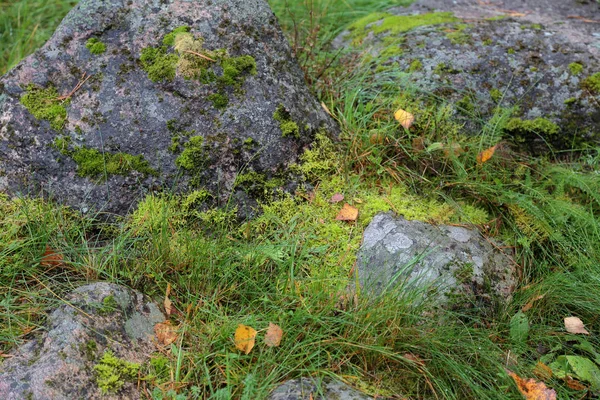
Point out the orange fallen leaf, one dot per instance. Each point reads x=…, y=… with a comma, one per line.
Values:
x=405, y=118
x=51, y=258
x=167, y=303
x=531, y=389
x=336, y=198
x=529, y=304
x=574, y=384
x=165, y=333
x=575, y=325
x=244, y=338
x=273, y=335
x=485, y=155
x=347, y=213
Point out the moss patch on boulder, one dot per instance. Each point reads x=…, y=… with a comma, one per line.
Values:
x=44, y=104
x=113, y=372
x=95, y=46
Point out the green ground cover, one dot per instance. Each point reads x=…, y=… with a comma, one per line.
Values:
x=290, y=266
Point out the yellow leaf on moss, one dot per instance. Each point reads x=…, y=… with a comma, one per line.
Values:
x=347, y=213
x=244, y=338
x=405, y=118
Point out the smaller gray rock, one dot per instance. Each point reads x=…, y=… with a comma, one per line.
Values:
x=442, y=261
x=304, y=388
x=59, y=365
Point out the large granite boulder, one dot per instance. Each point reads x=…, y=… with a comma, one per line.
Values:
x=92, y=349
x=541, y=58
x=316, y=389
x=447, y=266
x=134, y=96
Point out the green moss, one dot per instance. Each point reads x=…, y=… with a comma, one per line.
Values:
x=193, y=156
x=89, y=349
x=496, y=95
x=44, y=104
x=592, y=83
x=158, y=64
x=459, y=36
x=396, y=24
x=537, y=27
x=288, y=127
x=488, y=42
x=575, y=68
x=112, y=372
x=62, y=144
x=391, y=50
x=416, y=65
x=195, y=199
x=235, y=68
x=511, y=51
x=570, y=100
x=219, y=100
x=109, y=305
x=95, y=46
x=169, y=39
x=537, y=126
x=322, y=158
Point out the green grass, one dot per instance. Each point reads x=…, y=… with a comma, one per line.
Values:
x=290, y=266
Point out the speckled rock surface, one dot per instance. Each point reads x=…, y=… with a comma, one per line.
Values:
x=310, y=388
x=446, y=262
x=59, y=365
x=509, y=53
x=120, y=136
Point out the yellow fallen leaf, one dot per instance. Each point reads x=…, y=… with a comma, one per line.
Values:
x=405, y=118
x=485, y=155
x=528, y=306
x=165, y=333
x=347, y=213
x=244, y=338
x=167, y=303
x=575, y=325
x=273, y=335
x=531, y=389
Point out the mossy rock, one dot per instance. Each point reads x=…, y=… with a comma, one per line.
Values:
x=164, y=105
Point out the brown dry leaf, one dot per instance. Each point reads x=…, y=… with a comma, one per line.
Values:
x=167, y=303
x=574, y=384
x=575, y=325
x=405, y=118
x=51, y=258
x=531, y=389
x=542, y=371
x=165, y=333
x=416, y=359
x=376, y=138
x=453, y=149
x=418, y=143
x=347, y=213
x=336, y=198
x=244, y=338
x=528, y=306
x=273, y=335
x=485, y=155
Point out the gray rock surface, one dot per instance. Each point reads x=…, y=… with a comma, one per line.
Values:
x=502, y=53
x=59, y=365
x=312, y=388
x=451, y=265
x=146, y=103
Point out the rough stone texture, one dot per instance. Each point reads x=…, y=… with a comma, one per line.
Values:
x=453, y=260
x=60, y=364
x=521, y=60
x=308, y=388
x=119, y=109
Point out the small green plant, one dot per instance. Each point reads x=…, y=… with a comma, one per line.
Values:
x=575, y=68
x=95, y=46
x=113, y=372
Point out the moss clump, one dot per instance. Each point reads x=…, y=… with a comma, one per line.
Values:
x=459, y=36
x=496, y=95
x=95, y=46
x=219, y=100
x=575, y=68
x=592, y=83
x=109, y=305
x=193, y=156
x=169, y=39
x=112, y=372
x=158, y=64
x=44, y=104
x=416, y=65
x=537, y=126
x=396, y=24
x=288, y=127
x=195, y=199
x=234, y=68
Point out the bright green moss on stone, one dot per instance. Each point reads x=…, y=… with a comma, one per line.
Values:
x=234, y=69
x=219, y=100
x=112, y=372
x=193, y=156
x=94, y=164
x=169, y=39
x=537, y=126
x=575, y=68
x=496, y=95
x=396, y=24
x=44, y=104
x=95, y=46
x=109, y=305
x=158, y=64
x=288, y=127
x=416, y=65
x=592, y=83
